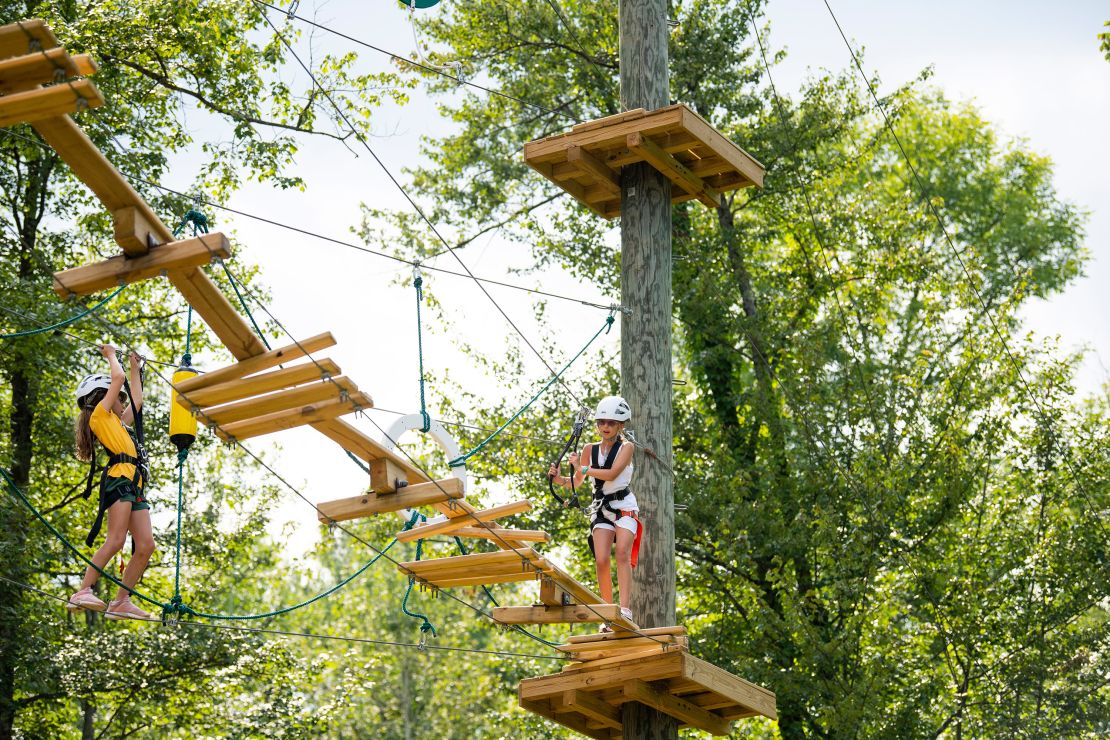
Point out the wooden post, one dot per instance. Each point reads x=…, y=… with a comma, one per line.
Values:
x=646, y=338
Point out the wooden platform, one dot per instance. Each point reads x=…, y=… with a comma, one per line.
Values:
x=588, y=698
x=699, y=161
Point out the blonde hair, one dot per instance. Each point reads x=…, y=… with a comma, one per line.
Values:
x=82, y=434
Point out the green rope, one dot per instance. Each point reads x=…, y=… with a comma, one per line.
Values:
x=243, y=303
x=67, y=322
x=187, y=358
x=461, y=459
x=198, y=220
x=426, y=626
x=22, y=497
x=182, y=454
x=418, y=283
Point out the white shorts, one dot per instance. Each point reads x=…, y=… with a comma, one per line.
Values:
x=624, y=522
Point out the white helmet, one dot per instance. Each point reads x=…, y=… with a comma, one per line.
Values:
x=90, y=384
x=613, y=407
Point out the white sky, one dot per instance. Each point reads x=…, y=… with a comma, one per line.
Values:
x=1035, y=71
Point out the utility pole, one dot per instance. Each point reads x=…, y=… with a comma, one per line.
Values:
x=646, y=337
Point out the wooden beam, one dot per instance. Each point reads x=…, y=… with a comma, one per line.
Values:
x=91, y=167
x=42, y=103
x=578, y=592
x=214, y=307
x=674, y=170
x=240, y=388
x=737, y=157
x=657, y=667
x=16, y=38
x=419, y=494
x=520, y=535
x=253, y=408
x=257, y=364
x=122, y=269
x=611, y=636
x=463, y=520
x=552, y=595
x=292, y=418
x=618, y=656
x=473, y=562
x=42, y=67
x=133, y=232
x=681, y=709
x=606, y=178
x=589, y=706
x=625, y=641
x=575, y=722
x=484, y=580
x=385, y=475
x=718, y=679
x=556, y=614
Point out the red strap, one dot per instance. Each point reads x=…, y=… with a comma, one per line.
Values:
x=639, y=536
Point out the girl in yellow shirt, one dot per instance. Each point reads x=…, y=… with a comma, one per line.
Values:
x=104, y=411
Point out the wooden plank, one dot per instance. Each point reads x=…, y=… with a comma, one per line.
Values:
x=484, y=580
x=743, y=162
x=605, y=177
x=573, y=721
x=624, y=656
x=556, y=614
x=721, y=681
x=681, y=709
x=660, y=121
x=91, y=167
x=577, y=591
x=362, y=446
x=462, y=520
x=474, y=561
x=674, y=170
x=42, y=103
x=214, y=307
x=597, y=123
x=256, y=385
x=589, y=706
x=16, y=38
x=610, y=636
x=598, y=657
x=419, y=494
x=385, y=475
x=531, y=569
x=654, y=668
x=122, y=269
x=304, y=395
x=292, y=418
x=258, y=363
x=625, y=641
x=572, y=187
x=495, y=534
x=42, y=67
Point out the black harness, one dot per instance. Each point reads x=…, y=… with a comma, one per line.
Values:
x=139, y=479
x=603, y=502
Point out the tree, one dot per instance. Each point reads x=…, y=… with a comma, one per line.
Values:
x=160, y=61
x=893, y=496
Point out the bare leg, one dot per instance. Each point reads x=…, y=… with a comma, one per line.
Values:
x=624, y=565
x=603, y=544
x=143, y=536
x=117, y=515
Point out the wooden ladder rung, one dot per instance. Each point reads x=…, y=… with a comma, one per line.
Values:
x=252, y=408
x=257, y=364
x=15, y=38
x=42, y=67
x=463, y=519
x=41, y=103
x=411, y=497
x=574, y=614
x=256, y=385
x=292, y=418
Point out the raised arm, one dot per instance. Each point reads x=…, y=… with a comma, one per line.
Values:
x=110, y=396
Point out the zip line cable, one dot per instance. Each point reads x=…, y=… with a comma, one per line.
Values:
x=928, y=200
x=342, y=243
x=409, y=198
x=414, y=63
x=421, y=646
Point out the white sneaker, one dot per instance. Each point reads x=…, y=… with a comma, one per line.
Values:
x=627, y=614
x=84, y=599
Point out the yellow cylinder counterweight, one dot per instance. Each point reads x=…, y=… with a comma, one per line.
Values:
x=183, y=425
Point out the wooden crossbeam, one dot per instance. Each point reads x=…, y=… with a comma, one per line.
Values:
x=419, y=494
x=574, y=721
x=42, y=103
x=606, y=178
x=386, y=476
x=463, y=520
x=676, y=631
x=675, y=171
x=691, y=714
x=473, y=562
x=16, y=38
x=257, y=364
x=272, y=403
x=747, y=165
x=484, y=579
x=577, y=591
x=240, y=388
x=718, y=679
x=624, y=641
x=574, y=614
x=42, y=67
x=289, y=419
x=497, y=534
x=661, y=666
x=121, y=269
x=213, y=306
x=589, y=706
x=552, y=595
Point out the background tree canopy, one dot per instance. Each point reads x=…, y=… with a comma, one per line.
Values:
x=894, y=499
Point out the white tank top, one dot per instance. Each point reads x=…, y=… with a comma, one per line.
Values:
x=628, y=503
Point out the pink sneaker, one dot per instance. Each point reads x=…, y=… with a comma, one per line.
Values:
x=84, y=599
x=124, y=609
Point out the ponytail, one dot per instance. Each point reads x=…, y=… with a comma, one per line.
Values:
x=82, y=433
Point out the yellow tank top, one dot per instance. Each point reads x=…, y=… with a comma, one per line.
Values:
x=111, y=432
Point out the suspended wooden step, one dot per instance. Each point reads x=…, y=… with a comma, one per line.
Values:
x=699, y=161
x=410, y=497
x=591, y=613
x=464, y=520
x=506, y=566
x=698, y=694
x=42, y=67
x=24, y=37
